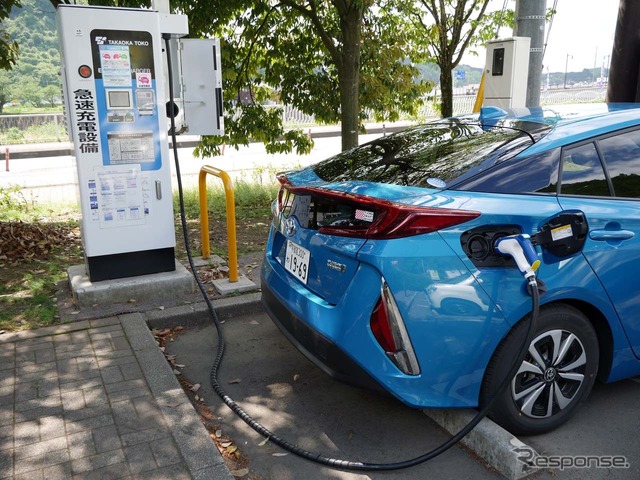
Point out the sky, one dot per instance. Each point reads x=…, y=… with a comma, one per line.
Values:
x=582, y=29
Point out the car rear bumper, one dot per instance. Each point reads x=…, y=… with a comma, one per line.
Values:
x=324, y=353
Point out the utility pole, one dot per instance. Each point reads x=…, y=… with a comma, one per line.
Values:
x=624, y=79
x=530, y=22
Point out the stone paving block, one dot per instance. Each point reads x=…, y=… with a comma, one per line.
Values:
x=95, y=396
x=48, y=386
x=7, y=363
x=39, y=462
x=61, y=471
x=128, y=394
x=6, y=463
x=165, y=452
x=110, y=472
x=45, y=356
x=22, y=369
x=94, y=462
x=104, y=362
x=74, y=426
x=112, y=374
x=149, y=435
x=74, y=351
x=6, y=395
x=125, y=385
x=6, y=417
x=51, y=427
x=81, y=445
x=35, y=413
x=26, y=357
x=140, y=458
x=79, y=375
x=26, y=391
x=6, y=437
x=87, y=412
x=81, y=384
x=72, y=400
x=6, y=378
x=33, y=475
x=25, y=433
x=40, y=448
x=106, y=438
x=51, y=401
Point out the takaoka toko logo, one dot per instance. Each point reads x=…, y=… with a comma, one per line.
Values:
x=101, y=40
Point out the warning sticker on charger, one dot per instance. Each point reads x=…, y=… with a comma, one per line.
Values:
x=560, y=233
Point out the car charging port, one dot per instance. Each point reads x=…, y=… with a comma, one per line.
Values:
x=478, y=245
x=563, y=235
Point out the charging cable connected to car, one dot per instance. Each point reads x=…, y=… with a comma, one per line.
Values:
x=517, y=246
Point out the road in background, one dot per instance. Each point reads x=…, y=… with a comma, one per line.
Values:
x=54, y=179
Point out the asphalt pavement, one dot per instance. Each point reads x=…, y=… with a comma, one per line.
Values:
x=272, y=381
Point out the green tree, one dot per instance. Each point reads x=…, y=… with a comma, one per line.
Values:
x=8, y=45
x=334, y=59
x=51, y=95
x=5, y=88
x=450, y=28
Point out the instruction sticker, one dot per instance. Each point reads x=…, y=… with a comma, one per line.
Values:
x=562, y=232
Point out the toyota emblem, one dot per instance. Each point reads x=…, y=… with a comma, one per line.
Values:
x=289, y=227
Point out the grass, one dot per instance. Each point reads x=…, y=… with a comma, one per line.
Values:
x=28, y=285
x=45, y=132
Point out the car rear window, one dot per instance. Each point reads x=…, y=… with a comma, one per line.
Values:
x=436, y=155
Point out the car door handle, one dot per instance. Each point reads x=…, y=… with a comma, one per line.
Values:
x=608, y=235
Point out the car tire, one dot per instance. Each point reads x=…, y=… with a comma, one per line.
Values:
x=555, y=377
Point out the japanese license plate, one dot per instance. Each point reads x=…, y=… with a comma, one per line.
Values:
x=296, y=261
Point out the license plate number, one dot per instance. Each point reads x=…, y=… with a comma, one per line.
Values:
x=296, y=261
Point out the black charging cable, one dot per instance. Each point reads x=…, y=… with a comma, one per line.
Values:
x=315, y=457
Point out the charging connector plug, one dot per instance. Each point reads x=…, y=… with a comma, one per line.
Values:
x=520, y=248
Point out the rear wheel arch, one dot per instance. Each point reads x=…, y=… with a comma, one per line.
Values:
x=603, y=331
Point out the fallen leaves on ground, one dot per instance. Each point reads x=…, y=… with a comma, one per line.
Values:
x=21, y=241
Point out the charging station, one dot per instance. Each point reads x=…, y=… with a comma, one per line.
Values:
x=114, y=74
x=506, y=72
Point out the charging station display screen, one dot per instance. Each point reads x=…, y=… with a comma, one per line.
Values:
x=123, y=62
x=119, y=99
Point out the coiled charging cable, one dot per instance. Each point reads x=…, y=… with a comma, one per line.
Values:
x=316, y=457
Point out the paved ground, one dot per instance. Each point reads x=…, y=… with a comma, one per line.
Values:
x=277, y=385
x=96, y=399
x=272, y=381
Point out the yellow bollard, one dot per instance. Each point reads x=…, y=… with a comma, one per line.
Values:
x=232, y=249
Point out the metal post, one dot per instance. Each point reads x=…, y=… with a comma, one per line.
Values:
x=6, y=159
x=624, y=75
x=530, y=22
x=566, y=67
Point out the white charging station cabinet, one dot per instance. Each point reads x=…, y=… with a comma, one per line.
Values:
x=506, y=72
x=112, y=64
x=201, y=84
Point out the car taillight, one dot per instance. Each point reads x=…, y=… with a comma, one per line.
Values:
x=388, y=329
x=388, y=219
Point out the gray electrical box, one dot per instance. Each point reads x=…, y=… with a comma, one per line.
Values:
x=506, y=71
x=201, y=74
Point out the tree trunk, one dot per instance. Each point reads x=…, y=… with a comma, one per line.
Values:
x=349, y=73
x=446, y=90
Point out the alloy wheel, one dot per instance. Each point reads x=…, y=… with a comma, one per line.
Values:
x=550, y=375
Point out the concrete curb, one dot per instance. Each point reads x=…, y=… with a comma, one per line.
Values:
x=488, y=440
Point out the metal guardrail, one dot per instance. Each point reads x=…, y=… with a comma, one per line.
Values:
x=232, y=249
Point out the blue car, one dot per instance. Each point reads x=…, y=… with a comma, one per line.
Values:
x=381, y=264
